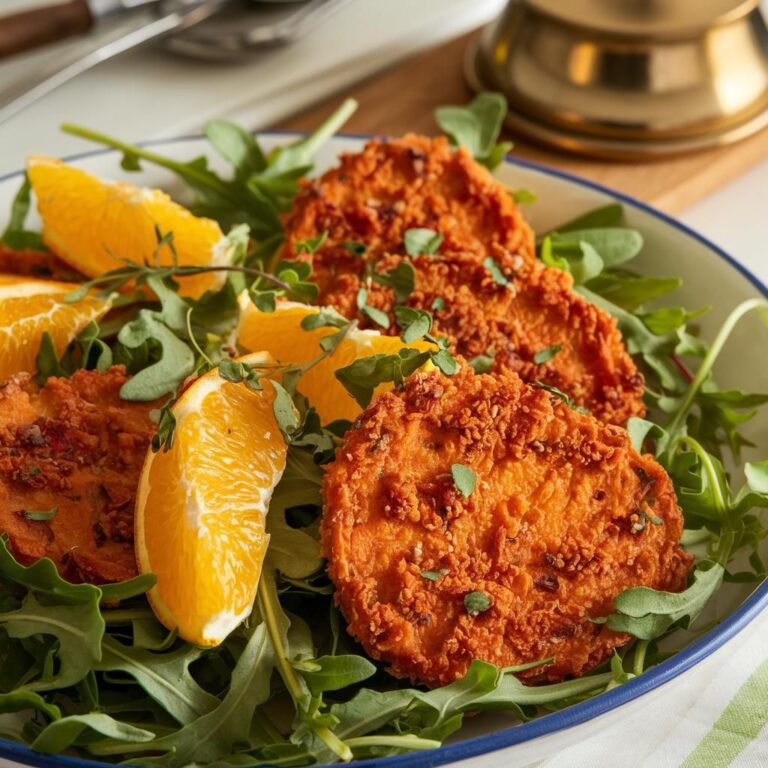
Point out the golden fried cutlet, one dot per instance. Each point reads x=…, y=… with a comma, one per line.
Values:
x=376, y=195
x=565, y=516
x=534, y=311
x=75, y=447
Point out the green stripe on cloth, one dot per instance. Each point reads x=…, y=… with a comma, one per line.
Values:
x=740, y=722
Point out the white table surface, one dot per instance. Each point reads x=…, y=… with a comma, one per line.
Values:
x=151, y=94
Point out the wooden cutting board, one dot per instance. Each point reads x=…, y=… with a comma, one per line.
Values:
x=403, y=99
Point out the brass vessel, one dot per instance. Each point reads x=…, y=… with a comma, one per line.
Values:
x=631, y=79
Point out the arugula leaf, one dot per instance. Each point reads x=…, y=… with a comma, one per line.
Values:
x=401, y=279
x=668, y=319
x=47, y=360
x=332, y=673
x=237, y=146
x=373, y=313
x=18, y=701
x=68, y=731
x=293, y=551
x=285, y=411
x=78, y=628
x=311, y=244
x=419, y=241
x=42, y=577
x=495, y=271
x=15, y=236
x=415, y=323
x=606, y=216
x=361, y=377
x=477, y=127
x=164, y=676
x=177, y=360
x=445, y=361
x=630, y=291
x=215, y=734
x=648, y=613
x=614, y=245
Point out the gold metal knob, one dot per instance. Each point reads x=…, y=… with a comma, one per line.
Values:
x=628, y=78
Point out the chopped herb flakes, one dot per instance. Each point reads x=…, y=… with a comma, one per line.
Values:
x=477, y=603
x=419, y=241
x=495, y=271
x=546, y=354
x=39, y=516
x=464, y=479
x=434, y=575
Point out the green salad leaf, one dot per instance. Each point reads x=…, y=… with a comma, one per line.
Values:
x=477, y=127
x=90, y=671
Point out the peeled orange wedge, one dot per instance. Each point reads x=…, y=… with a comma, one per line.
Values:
x=91, y=224
x=28, y=308
x=201, y=506
x=280, y=333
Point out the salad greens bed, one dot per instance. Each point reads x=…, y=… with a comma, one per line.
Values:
x=89, y=670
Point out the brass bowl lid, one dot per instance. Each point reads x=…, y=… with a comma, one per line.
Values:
x=645, y=78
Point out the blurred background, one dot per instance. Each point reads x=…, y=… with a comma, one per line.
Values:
x=285, y=64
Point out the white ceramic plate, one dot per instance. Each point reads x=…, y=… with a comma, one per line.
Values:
x=710, y=277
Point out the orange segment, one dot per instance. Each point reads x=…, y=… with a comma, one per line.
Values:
x=201, y=506
x=91, y=224
x=280, y=333
x=28, y=308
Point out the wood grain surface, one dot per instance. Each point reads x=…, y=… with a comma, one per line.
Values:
x=403, y=98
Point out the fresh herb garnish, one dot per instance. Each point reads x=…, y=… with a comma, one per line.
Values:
x=311, y=244
x=482, y=363
x=523, y=196
x=15, y=236
x=354, y=247
x=477, y=127
x=40, y=515
x=401, y=279
x=559, y=393
x=378, y=316
x=464, y=479
x=546, y=354
x=476, y=603
x=495, y=272
x=438, y=304
x=420, y=240
x=434, y=575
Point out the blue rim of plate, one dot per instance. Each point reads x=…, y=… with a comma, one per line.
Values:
x=576, y=714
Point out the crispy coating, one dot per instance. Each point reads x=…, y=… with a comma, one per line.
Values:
x=534, y=311
x=73, y=445
x=565, y=515
x=374, y=196
x=30, y=263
